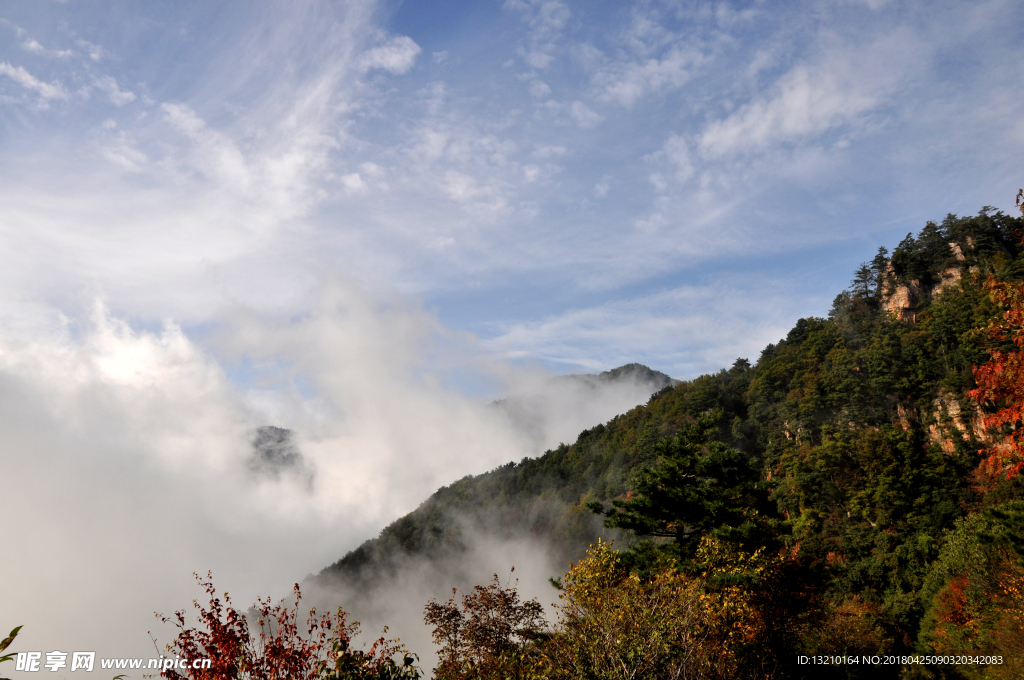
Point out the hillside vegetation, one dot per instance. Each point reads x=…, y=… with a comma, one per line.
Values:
x=847, y=456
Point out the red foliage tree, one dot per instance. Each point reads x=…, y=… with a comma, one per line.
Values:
x=280, y=650
x=1001, y=380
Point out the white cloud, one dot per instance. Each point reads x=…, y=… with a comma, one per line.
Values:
x=33, y=46
x=676, y=152
x=118, y=148
x=95, y=52
x=762, y=61
x=184, y=119
x=546, y=20
x=691, y=329
x=214, y=153
x=537, y=58
x=585, y=117
x=874, y=5
x=545, y=151
x=625, y=83
x=467, y=191
x=726, y=17
x=353, y=182
x=45, y=90
x=111, y=434
x=396, y=56
x=840, y=89
x=539, y=89
x=125, y=156
x=118, y=97
x=371, y=169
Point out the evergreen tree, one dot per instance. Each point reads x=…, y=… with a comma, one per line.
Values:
x=698, y=487
x=878, y=265
x=864, y=279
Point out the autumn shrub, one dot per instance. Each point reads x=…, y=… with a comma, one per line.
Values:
x=975, y=602
x=845, y=628
x=612, y=624
x=665, y=623
x=757, y=601
x=491, y=634
x=280, y=647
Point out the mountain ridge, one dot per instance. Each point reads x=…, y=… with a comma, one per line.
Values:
x=860, y=423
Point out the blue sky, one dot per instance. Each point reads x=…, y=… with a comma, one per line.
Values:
x=361, y=221
x=576, y=184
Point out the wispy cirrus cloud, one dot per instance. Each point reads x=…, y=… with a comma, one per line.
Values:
x=698, y=326
x=838, y=89
x=45, y=91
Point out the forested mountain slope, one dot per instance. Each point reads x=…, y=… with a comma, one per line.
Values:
x=858, y=426
x=541, y=497
x=545, y=496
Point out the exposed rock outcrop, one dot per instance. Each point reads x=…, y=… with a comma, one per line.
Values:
x=900, y=301
x=952, y=275
x=953, y=417
x=949, y=277
x=903, y=416
x=957, y=252
x=949, y=420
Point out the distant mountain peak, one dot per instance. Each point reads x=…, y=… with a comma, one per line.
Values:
x=635, y=372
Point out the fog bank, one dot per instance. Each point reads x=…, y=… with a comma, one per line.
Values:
x=132, y=458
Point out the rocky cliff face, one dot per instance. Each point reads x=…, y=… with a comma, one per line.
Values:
x=900, y=299
x=951, y=420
